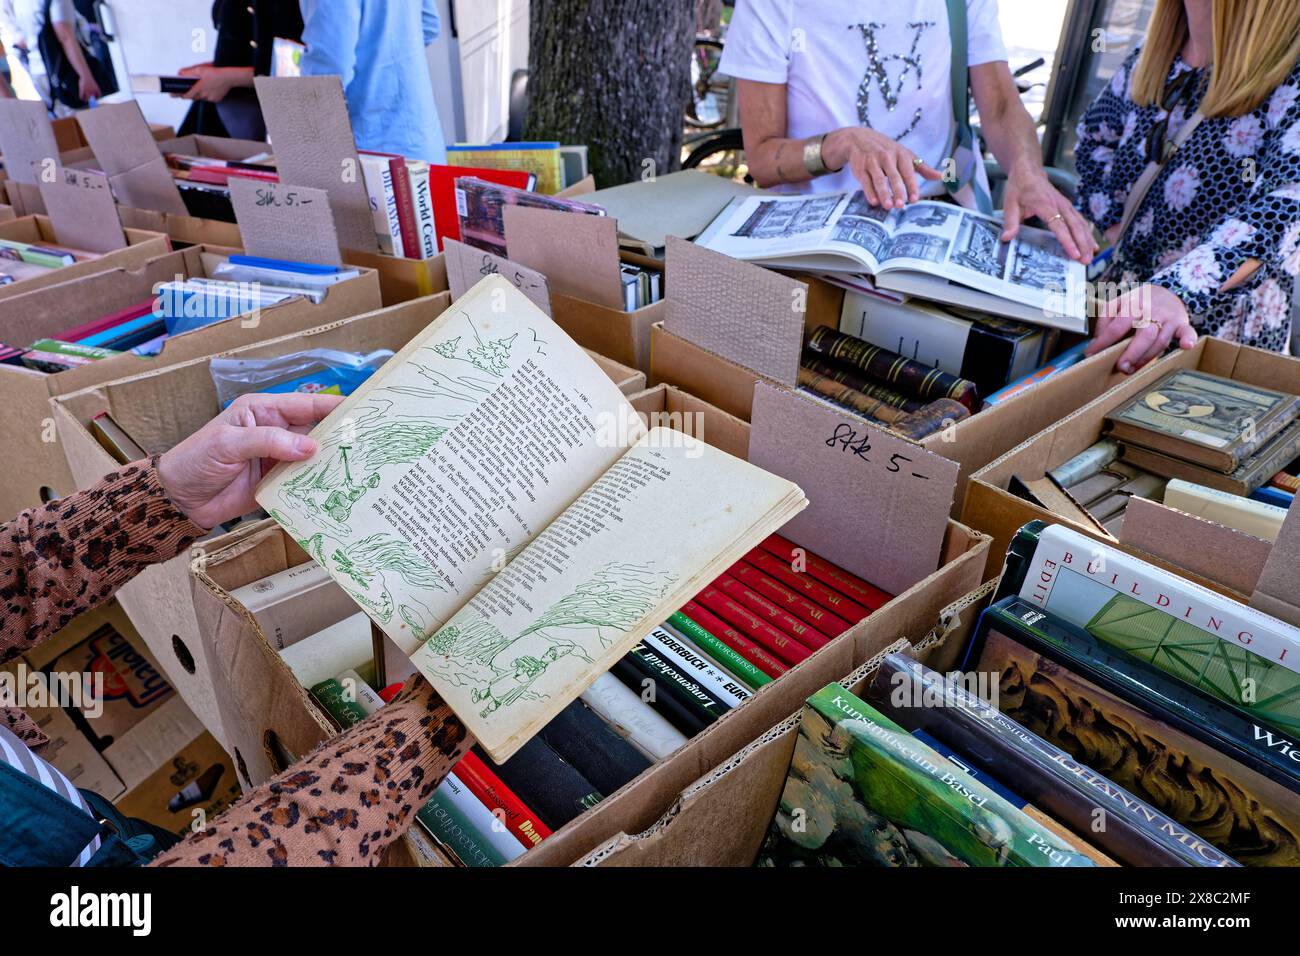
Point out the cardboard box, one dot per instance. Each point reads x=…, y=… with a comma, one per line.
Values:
x=972, y=443
x=401, y=280
x=991, y=508
x=141, y=247
x=186, y=790
x=722, y=817
x=38, y=469
x=160, y=408
x=270, y=718
x=670, y=407
x=74, y=150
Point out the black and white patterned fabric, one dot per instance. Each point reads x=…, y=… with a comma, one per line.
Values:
x=1231, y=193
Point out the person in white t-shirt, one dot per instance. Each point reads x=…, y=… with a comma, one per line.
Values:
x=838, y=95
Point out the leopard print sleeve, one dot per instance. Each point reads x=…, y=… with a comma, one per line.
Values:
x=71, y=555
x=347, y=800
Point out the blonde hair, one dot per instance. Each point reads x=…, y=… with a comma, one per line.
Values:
x=1256, y=46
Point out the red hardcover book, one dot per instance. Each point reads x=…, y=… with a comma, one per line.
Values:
x=828, y=574
x=784, y=621
x=442, y=189
x=831, y=625
x=523, y=824
x=107, y=322
x=728, y=635
x=405, y=207
x=220, y=175
x=787, y=649
x=807, y=585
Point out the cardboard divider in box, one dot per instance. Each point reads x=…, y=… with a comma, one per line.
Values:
x=39, y=467
x=141, y=246
x=160, y=408
x=74, y=150
x=670, y=407
x=722, y=817
x=580, y=257
x=991, y=508
x=715, y=342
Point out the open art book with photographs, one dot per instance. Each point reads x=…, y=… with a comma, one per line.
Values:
x=494, y=504
x=932, y=250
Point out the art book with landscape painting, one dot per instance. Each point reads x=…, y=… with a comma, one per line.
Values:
x=493, y=503
x=932, y=250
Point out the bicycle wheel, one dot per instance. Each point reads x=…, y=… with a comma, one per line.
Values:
x=710, y=93
x=721, y=153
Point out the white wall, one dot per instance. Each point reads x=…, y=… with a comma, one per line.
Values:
x=160, y=37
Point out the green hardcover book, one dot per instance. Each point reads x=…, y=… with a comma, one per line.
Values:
x=1205, y=419
x=73, y=348
x=862, y=791
x=739, y=668
x=339, y=702
x=456, y=834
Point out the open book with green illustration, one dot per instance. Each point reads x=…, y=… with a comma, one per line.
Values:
x=495, y=505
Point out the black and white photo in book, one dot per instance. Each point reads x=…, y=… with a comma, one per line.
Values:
x=931, y=250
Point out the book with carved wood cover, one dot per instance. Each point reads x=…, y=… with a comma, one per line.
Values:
x=494, y=504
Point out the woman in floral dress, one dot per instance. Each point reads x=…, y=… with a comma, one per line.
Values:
x=1214, y=247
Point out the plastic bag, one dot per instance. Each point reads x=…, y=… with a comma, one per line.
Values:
x=315, y=370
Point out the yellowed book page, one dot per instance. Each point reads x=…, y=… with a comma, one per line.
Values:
x=668, y=517
x=451, y=458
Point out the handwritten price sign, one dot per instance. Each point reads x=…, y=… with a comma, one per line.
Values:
x=280, y=221
x=878, y=504
x=847, y=438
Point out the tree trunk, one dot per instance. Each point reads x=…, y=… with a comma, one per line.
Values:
x=614, y=75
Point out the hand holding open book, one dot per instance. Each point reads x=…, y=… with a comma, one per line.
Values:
x=491, y=500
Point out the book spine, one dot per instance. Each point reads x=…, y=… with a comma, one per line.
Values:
x=1234, y=511
x=445, y=818
x=737, y=664
x=337, y=701
x=631, y=717
x=694, y=666
x=73, y=348
x=405, y=207
x=671, y=679
x=1238, y=625
x=1137, y=833
x=545, y=781
x=787, y=649
x=860, y=383
x=820, y=619
x=805, y=584
x=915, y=379
x=1200, y=715
x=422, y=197
x=784, y=621
x=868, y=595
x=487, y=787
x=644, y=682
x=374, y=170
x=728, y=635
